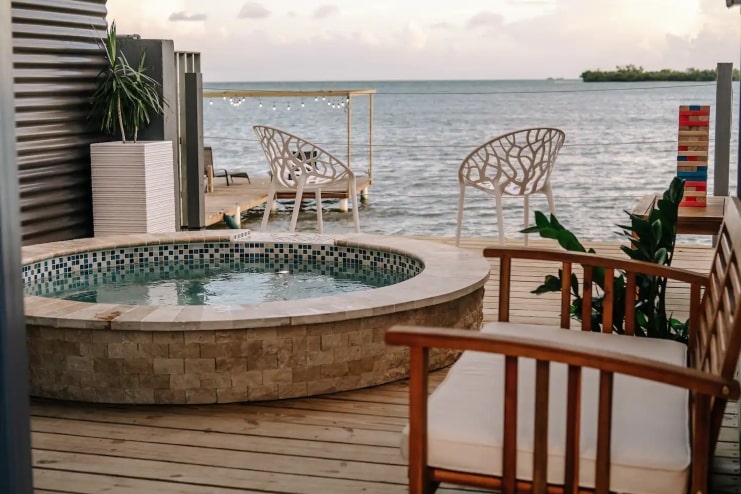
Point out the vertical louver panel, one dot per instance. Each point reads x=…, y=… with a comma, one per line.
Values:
x=56, y=57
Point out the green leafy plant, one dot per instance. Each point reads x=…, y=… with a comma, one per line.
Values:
x=125, y=98
x=652, y=239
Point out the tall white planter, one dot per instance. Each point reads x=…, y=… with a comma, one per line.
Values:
x=132, y=187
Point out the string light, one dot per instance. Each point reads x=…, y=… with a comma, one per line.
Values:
x=302, y=103
x=260, y=103
x=273, y=106
x=288, y=107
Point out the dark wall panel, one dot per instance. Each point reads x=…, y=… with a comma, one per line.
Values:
x=56, y=58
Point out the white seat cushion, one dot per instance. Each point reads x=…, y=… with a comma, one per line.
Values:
x=650, y=430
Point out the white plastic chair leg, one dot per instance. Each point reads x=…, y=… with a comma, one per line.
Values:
x=320, y=223
x=549, y=195
x=500, y=216
x=527, y=216
x=355, y=206
x=296, y=207
x=461, y=197
x=268, y=207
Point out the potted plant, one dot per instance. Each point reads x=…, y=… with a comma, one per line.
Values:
x=132, y=180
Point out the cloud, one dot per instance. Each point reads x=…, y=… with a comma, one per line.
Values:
x=414, y=37
x=442, y=25
x=183, y=16
x=485, y=19
x=325, y=11
x=252, y=10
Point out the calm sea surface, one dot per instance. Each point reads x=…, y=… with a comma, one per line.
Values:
x=620, y=144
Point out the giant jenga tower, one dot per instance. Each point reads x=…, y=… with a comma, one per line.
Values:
x=692, y=153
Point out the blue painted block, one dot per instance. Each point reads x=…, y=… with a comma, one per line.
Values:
x=698, y=175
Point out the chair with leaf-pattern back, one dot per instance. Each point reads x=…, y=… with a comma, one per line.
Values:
x=301, y=166
x=518, y=163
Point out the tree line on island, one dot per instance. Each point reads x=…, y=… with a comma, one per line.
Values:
x=631, y=73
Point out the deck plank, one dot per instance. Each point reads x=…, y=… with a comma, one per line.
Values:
x=341, y=443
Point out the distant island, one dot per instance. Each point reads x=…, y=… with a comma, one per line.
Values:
x=631, y=73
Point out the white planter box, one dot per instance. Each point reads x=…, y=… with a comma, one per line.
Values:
x=133, y=187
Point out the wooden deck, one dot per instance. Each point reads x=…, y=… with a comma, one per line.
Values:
x=244, y=195
x=341, y=443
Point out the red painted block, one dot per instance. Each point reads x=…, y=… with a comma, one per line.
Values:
x=693, y=123
x=693, y=113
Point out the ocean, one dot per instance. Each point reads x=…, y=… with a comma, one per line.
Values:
x=621, y=143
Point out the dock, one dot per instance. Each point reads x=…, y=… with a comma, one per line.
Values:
x=338, y=443
x=242, y=195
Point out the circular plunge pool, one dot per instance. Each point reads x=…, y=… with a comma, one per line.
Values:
x=156, y=348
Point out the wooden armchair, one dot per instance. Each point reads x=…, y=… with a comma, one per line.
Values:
x=546, y=410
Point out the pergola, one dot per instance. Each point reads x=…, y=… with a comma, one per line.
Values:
x=348, y=94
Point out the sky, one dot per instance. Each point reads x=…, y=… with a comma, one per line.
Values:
x=326, y=40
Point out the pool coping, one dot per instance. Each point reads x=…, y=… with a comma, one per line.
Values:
x=449, y=272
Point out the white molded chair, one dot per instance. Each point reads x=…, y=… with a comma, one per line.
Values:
x=302, y=166
x=518, y=163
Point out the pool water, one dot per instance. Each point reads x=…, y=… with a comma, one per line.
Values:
x=234, y=283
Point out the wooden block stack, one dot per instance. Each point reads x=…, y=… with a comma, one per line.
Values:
x=692, y=153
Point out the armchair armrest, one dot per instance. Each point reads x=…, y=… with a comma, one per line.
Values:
x=590, y=262
x=603, y=360
x=596, y=260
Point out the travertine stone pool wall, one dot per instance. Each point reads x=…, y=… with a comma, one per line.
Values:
x=209, y=354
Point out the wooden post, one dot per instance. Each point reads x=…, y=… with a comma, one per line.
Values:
x=15, y=435
x=723, y=104
x=370, y=137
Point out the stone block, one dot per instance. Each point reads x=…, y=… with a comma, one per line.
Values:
x=138, y=366
x=195, y=396
x=93, y=349
x=305, y=374
x=154, y=381
x=321, y=386
x=231, y=395
x=199, y=337
x=313, y=343
x=167, y=337
x=292, y=390
x=199, y=365
x=169, y=396
x=334, y=370
x=168, y=366
x=215, y=380
x=330, y=341
x=161, y=350
x=125, y=349
x=320, y=358
x=185, y=381
x=277, y=376
x=81, y=364
x=140, y=396
x=247, y=379
x=263, y=392
x=184, y=350
x=231, y=365
x=262, y=363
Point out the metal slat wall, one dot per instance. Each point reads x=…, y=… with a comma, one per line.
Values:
x=56, y=58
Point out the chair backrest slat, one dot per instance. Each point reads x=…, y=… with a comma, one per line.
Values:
x=604, y=437
x=630, y=304
x=566, y=295
x=540, y=430
x=586, y=307
x=509, y=457
x=573, y=430
x=607, y=301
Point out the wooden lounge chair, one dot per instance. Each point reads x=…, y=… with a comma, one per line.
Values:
x=211, y=172
x=542, y=409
